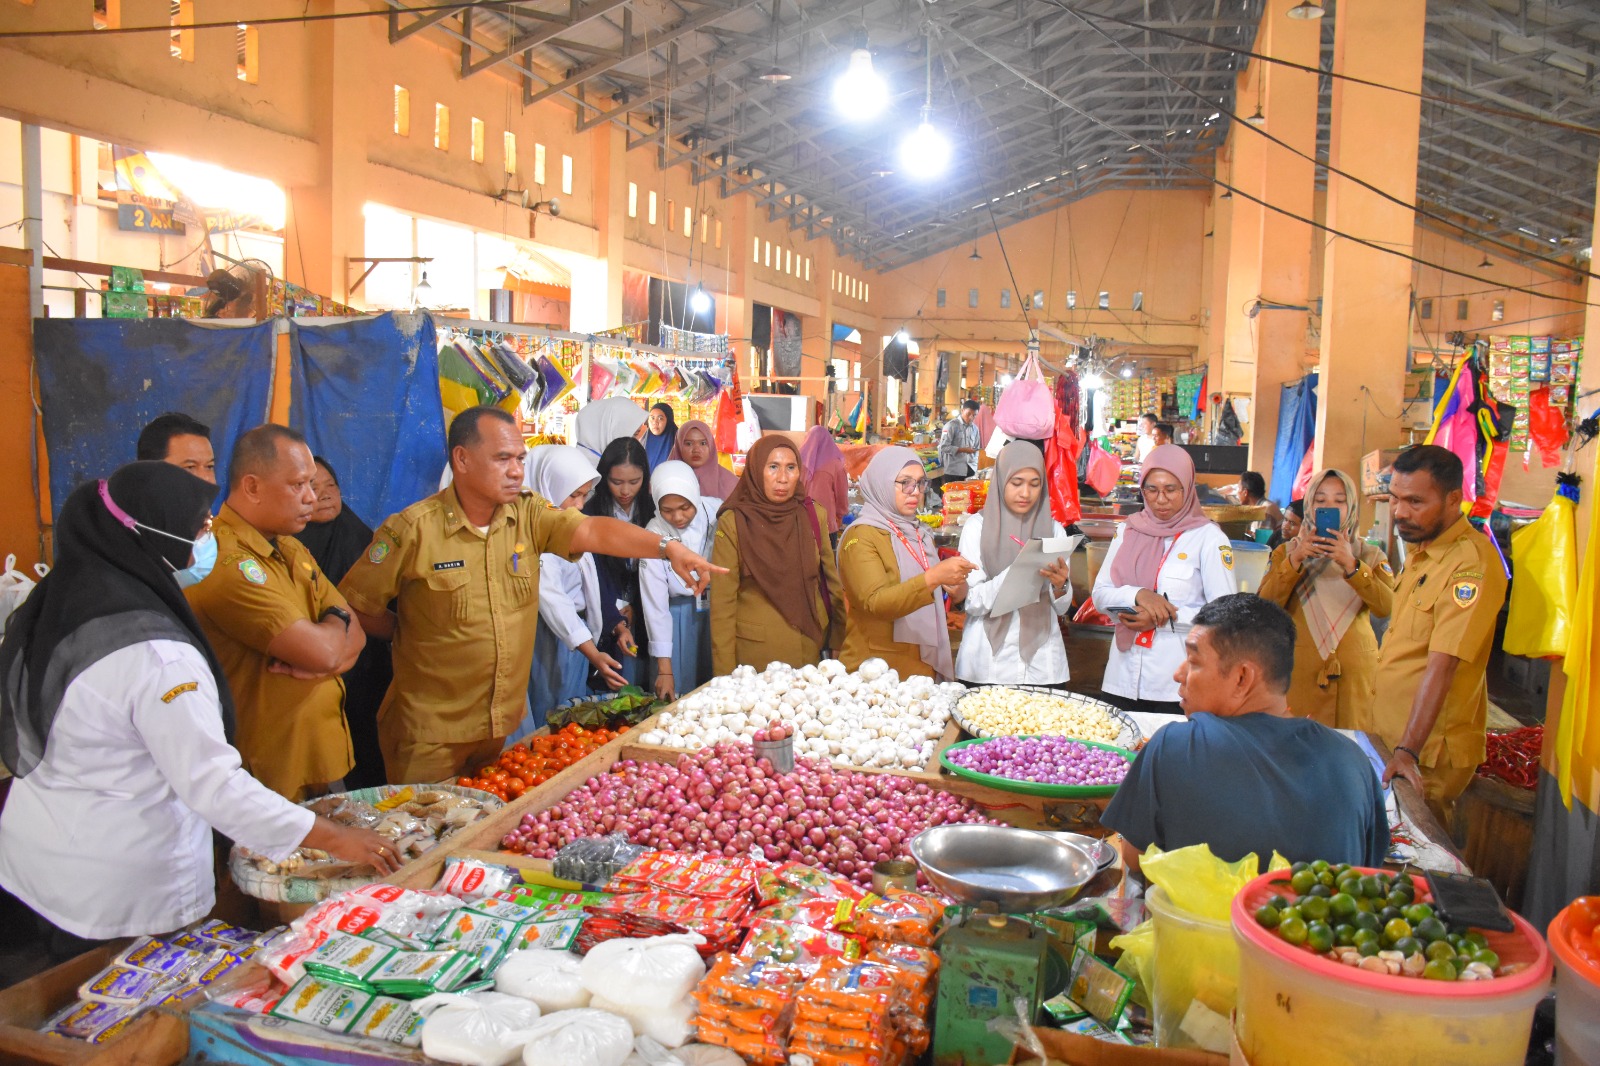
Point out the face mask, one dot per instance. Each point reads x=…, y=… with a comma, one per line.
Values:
x=205, y=557
x=134, y=524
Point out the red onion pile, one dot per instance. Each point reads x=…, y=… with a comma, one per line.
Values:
x=725, y=801
x=1046, y=760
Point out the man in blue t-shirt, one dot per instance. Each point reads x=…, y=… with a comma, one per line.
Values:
x=1241, y=774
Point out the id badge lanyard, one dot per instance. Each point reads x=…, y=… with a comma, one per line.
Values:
x=1147, y=639
x=922, y=560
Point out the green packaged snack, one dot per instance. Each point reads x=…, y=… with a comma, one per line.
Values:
x=554, y=930
x=389, y=1019
x=390, y=940
x=1100, y=989
x=422, y=973
x=347, y=959
x=1062, y=1010
x=482, y=936
x=504, y=908
x=324, y=1004
x=544, y=895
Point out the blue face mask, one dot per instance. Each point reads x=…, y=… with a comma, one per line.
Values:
x=205, y=557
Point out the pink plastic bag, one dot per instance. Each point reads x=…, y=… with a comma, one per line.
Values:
x=1027, y=409
x=1104, y=469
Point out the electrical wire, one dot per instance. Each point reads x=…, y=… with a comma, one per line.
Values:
x=233, y=24
x=1211, y=179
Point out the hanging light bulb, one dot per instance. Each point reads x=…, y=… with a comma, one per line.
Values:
x=1005, y=379
x=1127, y=370
x=1092, y=380
x=699, y=300
x=1306, y=10
x=860, y=93
x=901, y=336
x=975, y=257
x=925, y=153
x=423, y=292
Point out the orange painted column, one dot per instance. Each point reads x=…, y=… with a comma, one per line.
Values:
x=1244, y=168
x=1288, y=180
x=1366, y=290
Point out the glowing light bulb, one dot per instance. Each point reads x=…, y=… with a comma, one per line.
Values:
x=925, y=153
x=699, y=301
x=860, y=93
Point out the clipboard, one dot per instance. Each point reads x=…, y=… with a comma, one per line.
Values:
x=1023, y=582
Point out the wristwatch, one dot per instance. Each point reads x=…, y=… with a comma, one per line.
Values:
x=337, y=612
x=662, y=547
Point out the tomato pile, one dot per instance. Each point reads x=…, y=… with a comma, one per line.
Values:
x=524, y=766
x=1583, y=928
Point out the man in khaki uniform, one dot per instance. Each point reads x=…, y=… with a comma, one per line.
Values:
x=1432, y=701
x=281, y=630
x=462, y=568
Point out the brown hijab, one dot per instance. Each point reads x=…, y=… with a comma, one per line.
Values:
x=777, y=548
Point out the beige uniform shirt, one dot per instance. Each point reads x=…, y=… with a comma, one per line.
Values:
x=1447, y=600
x=468, y=606
x=291, y=733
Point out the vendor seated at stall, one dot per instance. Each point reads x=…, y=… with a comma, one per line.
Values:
x=1241, y=774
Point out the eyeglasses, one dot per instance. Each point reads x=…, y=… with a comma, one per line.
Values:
x=912, y=488
x=1156, y=492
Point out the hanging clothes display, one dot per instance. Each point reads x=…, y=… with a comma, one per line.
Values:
x=1297, y=424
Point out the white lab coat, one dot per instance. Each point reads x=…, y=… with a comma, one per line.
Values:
x=979, y=662
x=1199, y=569
x=658, y=582
x=565, y=590
x=110, y=835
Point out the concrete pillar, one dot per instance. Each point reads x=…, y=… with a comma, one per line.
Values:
x=608, y=147
x=1366, y=292
x=33, y=216
x=1245, y=170
x=1218, y=253
x=1288, y=180
x=325, y=218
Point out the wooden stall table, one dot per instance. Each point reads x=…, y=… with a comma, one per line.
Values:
x=158, y=1038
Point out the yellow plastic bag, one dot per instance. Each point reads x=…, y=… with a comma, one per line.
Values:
x=1545, y=553
x=1138, y=947
x=1197, y=881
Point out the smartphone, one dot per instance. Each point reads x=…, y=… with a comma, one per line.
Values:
x=1327, y=521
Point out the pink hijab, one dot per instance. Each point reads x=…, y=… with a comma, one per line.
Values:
x=1138, y=560
x=716, y=481
x=818, y=450
x=926, y=626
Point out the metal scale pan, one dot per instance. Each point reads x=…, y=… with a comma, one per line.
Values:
x=1018, y=871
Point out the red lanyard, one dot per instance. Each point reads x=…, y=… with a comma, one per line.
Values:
x=1148, y=637
x=915, y=549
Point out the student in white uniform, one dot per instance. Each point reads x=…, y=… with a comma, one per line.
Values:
x=569, y=595
x=678, y=621
x=116, y=720
x=1166, y=562
x=1024, y=647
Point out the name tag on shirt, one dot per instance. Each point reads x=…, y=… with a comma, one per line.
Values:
x=454, y=564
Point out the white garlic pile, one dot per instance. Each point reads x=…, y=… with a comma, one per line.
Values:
x=870, y=718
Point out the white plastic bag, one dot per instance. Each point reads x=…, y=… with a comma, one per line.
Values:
x=670, y=1026
x=552, y=979
x=577, y=1038
x=14, y=588
x=657, y=971
x=481, y=1029
x=647, y=1052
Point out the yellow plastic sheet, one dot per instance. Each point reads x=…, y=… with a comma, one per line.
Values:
x=1539, y=620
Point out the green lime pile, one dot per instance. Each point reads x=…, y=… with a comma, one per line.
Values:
x=1374, y=922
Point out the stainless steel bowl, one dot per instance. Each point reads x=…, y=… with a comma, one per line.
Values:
x=1101, y=851
x=1017, y=870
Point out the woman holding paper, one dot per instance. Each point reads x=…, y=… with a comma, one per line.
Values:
x=895, y=585
x=1166, y=562
x=1023, y=646
x=1331, y=587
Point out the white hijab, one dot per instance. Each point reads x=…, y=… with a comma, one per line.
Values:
x=603, y=421
x=556, y=471
x=677, y=478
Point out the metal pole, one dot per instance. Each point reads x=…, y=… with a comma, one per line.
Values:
x=33, y=217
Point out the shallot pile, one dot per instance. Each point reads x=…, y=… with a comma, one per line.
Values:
x=1046, y=760
x=723, y=800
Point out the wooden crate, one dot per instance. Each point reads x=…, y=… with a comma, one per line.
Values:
x=159, y=1038
x=1494, y=826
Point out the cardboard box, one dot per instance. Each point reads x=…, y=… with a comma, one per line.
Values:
x=1375, y=471
x=1087, y=1051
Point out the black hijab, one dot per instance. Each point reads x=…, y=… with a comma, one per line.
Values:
x=112, y=587
x=336, y=544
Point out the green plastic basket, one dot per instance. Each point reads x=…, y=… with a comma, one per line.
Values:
x=1033, y=788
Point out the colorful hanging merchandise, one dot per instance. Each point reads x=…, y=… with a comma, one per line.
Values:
x=1539, y=619
x=1475, y=426
x=556, y=382
x=1547, y=428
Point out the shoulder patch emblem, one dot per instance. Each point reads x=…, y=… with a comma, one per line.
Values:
x=1227, y=555
x=178, y=690
x=1465, y=593
x=1383, y=564
x=378, y=552
x=252, y=572
x=1183, y=555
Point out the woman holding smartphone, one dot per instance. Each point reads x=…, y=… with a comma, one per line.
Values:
x=1331, y=583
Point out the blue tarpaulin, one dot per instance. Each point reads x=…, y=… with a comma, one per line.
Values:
x=366, y=396
x=1297, y=421
x=102, y=379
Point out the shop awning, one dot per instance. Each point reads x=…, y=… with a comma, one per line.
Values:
x=533, y=273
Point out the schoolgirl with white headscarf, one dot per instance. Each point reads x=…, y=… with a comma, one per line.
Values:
x=678, y=622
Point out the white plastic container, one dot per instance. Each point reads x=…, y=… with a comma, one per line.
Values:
x=1577, y=997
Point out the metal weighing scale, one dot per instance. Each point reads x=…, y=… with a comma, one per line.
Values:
x=989, y=957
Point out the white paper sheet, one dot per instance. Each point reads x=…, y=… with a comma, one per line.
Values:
x=1023, y=582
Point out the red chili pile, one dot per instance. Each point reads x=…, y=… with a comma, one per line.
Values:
x=725, y=801
x=1513, y=756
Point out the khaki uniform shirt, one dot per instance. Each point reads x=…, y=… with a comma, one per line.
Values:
x=468, y=606
x=746, y=629
x=291, y=733
x=1447, y=600
x=874, y=598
